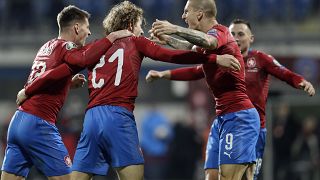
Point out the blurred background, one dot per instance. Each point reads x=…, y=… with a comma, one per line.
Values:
x=174, y=118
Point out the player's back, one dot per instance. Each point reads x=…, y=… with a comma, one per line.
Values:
x=227, y=86
x=114, y=80
x=47, y=103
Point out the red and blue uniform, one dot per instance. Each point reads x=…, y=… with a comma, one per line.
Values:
x=259, y=66
x=33, y=138
x=236, y=128
x=109, y=137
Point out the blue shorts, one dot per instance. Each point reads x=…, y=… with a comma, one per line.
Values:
x=233, y=139
x=34, y=141
x=109, y=138
x=260, y=150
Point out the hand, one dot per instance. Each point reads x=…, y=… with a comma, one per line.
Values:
x=21, y=97
x=228, y=61
x=163, y=27
x=163, y=39
x=77, y=81
x=118, y=35
x=307, y=87
x=153, y=75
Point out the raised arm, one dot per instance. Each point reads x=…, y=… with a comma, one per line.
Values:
x=91, y=54
x=193, y=36
x=154, y=51
x=274, y=68
x=171, y=41
x=179, y=74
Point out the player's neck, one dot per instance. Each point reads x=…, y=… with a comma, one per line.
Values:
x=66, y=36
x=245, y=53
x=207, y=24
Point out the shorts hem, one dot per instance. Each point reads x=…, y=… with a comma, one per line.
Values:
x=90, y=170
x=128, y=164
x=10, y=171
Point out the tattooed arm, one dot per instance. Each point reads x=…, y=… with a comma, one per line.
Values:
x=160, y=28
x=197, y=38
x=176, y=43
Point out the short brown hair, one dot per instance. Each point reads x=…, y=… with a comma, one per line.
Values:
x=121, y=16
x=69, y=14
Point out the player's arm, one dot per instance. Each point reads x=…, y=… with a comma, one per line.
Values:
x=273, y=67
x=154, y=51
x=171, y=41
x=44, y=81
x=91, y=54
x=193, y=36
x=179, y=74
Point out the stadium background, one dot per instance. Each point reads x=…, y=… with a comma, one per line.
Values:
x=287, y=29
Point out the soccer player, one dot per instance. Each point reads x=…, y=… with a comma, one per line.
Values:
x=258, y=67
x=109, y=137
x=234, y=133
x=33, y=138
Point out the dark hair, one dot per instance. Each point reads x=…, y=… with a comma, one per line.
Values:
x=241, y=21
x=121, y=16
x=69, y=14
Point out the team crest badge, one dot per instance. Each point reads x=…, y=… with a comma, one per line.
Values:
x=251, y=62
x=70, y=45
x=68, y=161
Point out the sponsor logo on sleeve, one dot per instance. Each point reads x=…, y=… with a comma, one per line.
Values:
x=213, y=32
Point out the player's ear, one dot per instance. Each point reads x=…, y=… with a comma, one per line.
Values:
x=76, y=28
x=251, y=38
x=200, y=15
x=130, y=27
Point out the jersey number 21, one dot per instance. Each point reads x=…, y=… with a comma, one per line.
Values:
x=116, y=55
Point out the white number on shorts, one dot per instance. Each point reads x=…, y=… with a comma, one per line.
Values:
x=229, y=141
x=38, y=68
x=116, y=55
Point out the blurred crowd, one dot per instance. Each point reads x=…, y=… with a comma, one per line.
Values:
x=43, y=13
x=174, y=147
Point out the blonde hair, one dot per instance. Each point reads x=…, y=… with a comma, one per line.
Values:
x=121, y=16
x=207, y=6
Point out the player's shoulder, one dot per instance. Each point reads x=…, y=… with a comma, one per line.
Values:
x=260, y=54
x=50, y=46
x=217, y=28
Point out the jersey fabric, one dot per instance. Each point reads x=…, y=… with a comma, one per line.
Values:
x=36, y=117
x=34, y=141
x=232, y=139
x=258, y=67
x=109, y=138
x=234, y=110
x=113, y=86
x=47, y=102
x=114, y=80
x=227, y=86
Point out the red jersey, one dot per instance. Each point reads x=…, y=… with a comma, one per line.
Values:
x=227, y=86
x=258, y=67
x=114, y=80
x=47, y=102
